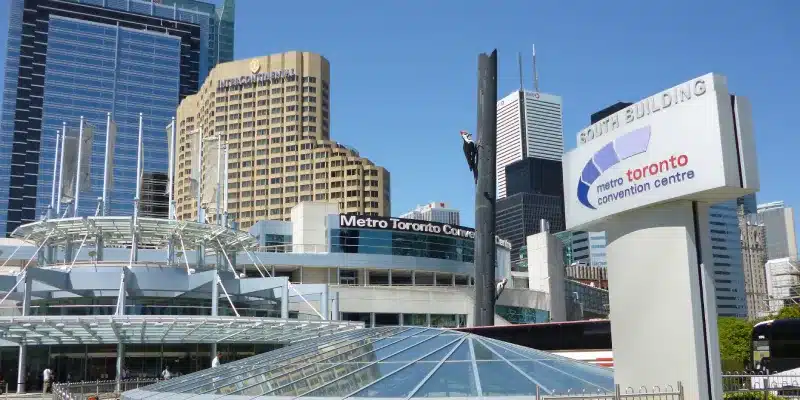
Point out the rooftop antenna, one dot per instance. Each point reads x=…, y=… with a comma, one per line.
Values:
x=535, y=74
x=519, y=61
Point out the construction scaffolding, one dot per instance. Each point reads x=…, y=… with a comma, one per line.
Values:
x=783, y=283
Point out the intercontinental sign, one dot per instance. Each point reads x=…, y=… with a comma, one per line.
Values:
x=411, y=225
x=256, y=76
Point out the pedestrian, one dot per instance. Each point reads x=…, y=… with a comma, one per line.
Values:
x=47, y=376
x=166, y=375
x=215, y=361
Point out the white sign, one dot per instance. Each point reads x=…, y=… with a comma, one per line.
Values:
x=681, y=143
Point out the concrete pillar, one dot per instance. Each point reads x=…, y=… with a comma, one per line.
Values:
x=100, y=247
x=23, y=348
x=285, y=300
x=120, y=366
x=121, y=300
x=335, y=313
x=390, y=277
x=413, y=278
x=171, y=251
x=68, y=250
x=675, y=315
x=324, y=303
x=201, y=261
x=134, y=234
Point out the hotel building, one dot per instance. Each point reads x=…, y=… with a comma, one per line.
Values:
x=273, y=114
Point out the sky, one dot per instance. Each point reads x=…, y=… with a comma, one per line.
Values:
x=404, y=73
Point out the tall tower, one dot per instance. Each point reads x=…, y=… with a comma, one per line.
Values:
x=88, y=58
x=529, y=124
x=779, y=222
x=273, y=114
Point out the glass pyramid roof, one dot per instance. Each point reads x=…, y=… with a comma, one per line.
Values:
x=389, y=362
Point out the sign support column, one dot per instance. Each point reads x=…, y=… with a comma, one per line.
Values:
x=486, y=191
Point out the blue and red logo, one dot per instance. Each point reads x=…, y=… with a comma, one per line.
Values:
x=623, y=147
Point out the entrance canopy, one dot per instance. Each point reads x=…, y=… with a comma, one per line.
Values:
x=389, y=362
x=154, y=329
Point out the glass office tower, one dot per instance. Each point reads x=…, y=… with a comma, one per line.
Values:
x=728, y=270
x=220, y=32
x=72, y=58
x=93, y=69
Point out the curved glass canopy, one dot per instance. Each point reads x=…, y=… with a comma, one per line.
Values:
x=389, y=362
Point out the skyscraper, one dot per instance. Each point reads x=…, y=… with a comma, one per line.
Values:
x=529, y=124
x=534, y=193
x=273, y=113
x=220, y=30
x=89, y=58
x=754, y=259
x=779, y=223
x=434, y=212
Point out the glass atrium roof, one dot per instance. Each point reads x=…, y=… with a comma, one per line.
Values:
x=54, y=330
x=389, y=362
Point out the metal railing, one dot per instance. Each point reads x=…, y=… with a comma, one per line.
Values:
x=762, y=386
x=96, y=389
x=668, y=392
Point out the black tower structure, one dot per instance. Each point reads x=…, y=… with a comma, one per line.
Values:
x=486, y=191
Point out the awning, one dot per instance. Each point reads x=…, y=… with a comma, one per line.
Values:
x=139, y=329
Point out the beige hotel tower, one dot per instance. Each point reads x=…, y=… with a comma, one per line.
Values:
x=273, y=112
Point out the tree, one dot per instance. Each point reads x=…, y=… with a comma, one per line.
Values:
x=792, y=311
x=734, y=342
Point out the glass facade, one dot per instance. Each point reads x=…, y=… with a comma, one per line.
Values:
x=518, y=216
x=534, y=175
x=370, y=241
x=220, y=30
x=8, y=132
x=390, y=362
x=76, y=363
x=88, y=58
x=726, y=247
x=588, y=248
x=584, y=301
x=522, y=315
x=157, y=306
x=93, y=69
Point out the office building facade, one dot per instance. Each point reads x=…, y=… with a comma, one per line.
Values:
x=729, y=280
x=520, y=215
x=754, y=260
x=534, y=193
x=583, y=248
x=779, y=223
x=68, y=59
x=434, y=212
x=608, y=111
x=220, y=30
x=529, y=124
x=272, y=113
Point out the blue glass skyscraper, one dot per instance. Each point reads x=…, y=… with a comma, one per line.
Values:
x=220, y=30
x=726, y=248
x=72, y=58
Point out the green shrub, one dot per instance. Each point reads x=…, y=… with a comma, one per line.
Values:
x=750, y=396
